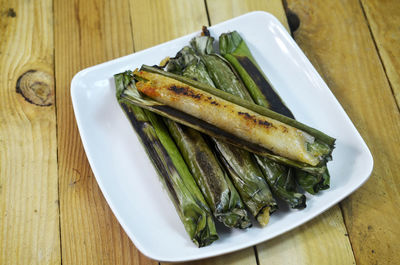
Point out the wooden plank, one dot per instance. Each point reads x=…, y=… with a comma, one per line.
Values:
x=245, y=256
x=323, y=240
x=156, y=22
x=87, y=33
x=335, y=36
x=29, y=213
x=325, y=232
x=161, y=26
x=384, y=21
x=223, y=10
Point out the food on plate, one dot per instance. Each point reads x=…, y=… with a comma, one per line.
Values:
x=236, y=117
x=234, y=49
x=212, y=179
x=225, y=140
x=161, y=149
x=244, y=172
x=279, y=177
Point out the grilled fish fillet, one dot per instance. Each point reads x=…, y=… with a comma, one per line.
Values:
x=274, y=135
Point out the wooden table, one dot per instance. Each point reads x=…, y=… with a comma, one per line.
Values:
x=51, y=209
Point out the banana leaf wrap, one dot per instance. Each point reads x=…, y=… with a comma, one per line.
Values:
x=133, y=95
x=225, y=78
x=211, y=178
x=171, y=168
x=235, y=50
x=219, y=191
x=243, y=170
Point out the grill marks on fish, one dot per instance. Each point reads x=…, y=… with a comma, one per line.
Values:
x=217, y=112
x=185, y=91
x=247, y=116
x=253, y=118
x=261, y=122
x=208, y=128
x=265, y=124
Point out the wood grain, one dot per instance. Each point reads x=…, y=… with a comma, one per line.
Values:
x=161, y=26
x=386, y=33
x=87, y=33
x=29, y=220
x=155, y=22
x=325, y=233
x=323, y=240
x=245, y=256
x=223, y=10
x=350, y=64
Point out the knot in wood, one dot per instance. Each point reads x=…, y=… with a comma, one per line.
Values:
x=36, y=87
x=11, y=12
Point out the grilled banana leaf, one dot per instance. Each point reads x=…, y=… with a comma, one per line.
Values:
x=243, y=170
x=154, y=81
x=186, y=63
x=235, y=50
x=183, y=191
x=211, y=178
x=226, y=79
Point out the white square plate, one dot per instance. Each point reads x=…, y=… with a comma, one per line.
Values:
x=130, y=183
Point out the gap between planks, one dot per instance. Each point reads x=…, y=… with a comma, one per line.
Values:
x=55, y=111
x=379, y=53
x=208, y=13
